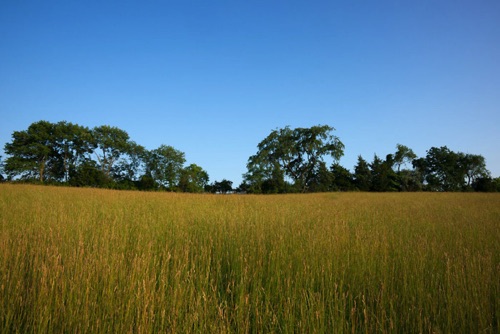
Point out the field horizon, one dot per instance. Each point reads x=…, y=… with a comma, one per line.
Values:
x=96, y=260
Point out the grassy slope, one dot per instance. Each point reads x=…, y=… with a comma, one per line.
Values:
x=84, y=260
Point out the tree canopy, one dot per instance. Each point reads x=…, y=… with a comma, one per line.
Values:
x=297, y=154
x=287, y=160
x=104, y=156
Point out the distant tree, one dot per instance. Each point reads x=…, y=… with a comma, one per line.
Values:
x=109, y=144
x=404, y=179
x=409, y=180
x=298, y=153
x=486, y=184
x=263, y=178
x=420, y=168
x=343, y=180
x=193, y=179
x=146, y=182
x=222, y=187
x=403, y=155
x=89, y=174
x=474, y=168
x=381, y=179
x=443, y=171
x=71, y=143
x=323, y=179
x=362, y=175
x=30, y=152
x=165, y=165
x=243, y=188
x=131, y=164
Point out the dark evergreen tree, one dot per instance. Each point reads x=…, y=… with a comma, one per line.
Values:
x=362, y=175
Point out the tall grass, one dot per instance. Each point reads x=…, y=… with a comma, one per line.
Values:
x=84, y=260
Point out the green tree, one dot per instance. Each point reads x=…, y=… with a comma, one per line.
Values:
x=146, y=182
x=30, y=152
x=378, y=174
x=193, y=179
x=442, y=170
x=322, y=180
x=222, y=187
x=165, y=165
x=89, y=174
x=474, y=168
x=486, y=184
x=343, y=180
x=128, y=168
x=109, y=144
x=362, y=175
x=404, y=155
x=71, y=143
x=298, y=153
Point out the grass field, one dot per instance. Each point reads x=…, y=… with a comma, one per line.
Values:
x=96, y=261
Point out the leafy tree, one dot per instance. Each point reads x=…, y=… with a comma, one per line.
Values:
x=222, y=187
x=146, y=182
x=193, y=179
x=30, y=152
x=298, y=153
x=263, y=178
x=474, y=168
x=383, y=177
x=89, y=174
x=165, y=165
x=322, y=180
x=343, y=180
x=70, y=144
x=362, y=175
x=405, y=179
x=403, y=155
x=486, y=184
x=420, y=168
x=409, y=180
x=443, y=169
x=109, y=144
x=130, y=164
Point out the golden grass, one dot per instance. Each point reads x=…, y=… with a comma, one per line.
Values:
x=86, y=260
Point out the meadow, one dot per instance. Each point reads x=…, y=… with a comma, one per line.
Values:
x=101, y=261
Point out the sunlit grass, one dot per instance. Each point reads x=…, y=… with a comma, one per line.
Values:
x=85, y=260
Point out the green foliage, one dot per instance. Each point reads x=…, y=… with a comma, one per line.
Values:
x=89, y=174
x=343, y=180
x=486, y=184
x=220, y=187
x=404, y=155
x=165, y=166
x=445, y=170
x=71, y=143
x=293, y=153
x=30, y=152
x=109, y=144
x=287, y=161
x=362, y=175
x=193, y=179
x=383, y=178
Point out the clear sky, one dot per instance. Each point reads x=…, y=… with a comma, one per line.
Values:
x=213, y=78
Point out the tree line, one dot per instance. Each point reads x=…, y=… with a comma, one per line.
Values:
x=105, y=156
x=287, y=161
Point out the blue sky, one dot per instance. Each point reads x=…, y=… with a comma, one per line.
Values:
x=213, y=78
